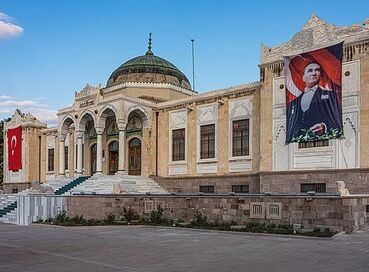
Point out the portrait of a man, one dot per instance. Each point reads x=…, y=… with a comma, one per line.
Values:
x=313, y=93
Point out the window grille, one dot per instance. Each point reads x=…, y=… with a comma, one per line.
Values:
x=149, y=206
x=207, y=189
x=273, y=209
x=50, y=159
x=76, y=158
x=316, y=187
x=240, y=188
x=240, y=138
x=66, y=159
x=257, y=209
x=207, y=141
x=178, y=144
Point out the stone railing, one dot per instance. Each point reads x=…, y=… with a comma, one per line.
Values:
x=31, y=208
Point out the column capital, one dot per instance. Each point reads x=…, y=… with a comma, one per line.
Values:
x=80, y=134
x=121, y=125
x=99, y=130
x=62, y=137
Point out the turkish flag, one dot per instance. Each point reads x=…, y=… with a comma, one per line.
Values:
x=15, y=148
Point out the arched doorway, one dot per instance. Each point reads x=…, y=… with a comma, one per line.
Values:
x=134, y=157
x=113, y=157
x=93, y=153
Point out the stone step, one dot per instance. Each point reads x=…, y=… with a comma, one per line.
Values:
x=132, y=184
x=10, y=218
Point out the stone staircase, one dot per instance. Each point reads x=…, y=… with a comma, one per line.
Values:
x=8, y=202
x=8, y=208
x=65, y=188
x=104, y=184
x=98, y=184
x=58, y=183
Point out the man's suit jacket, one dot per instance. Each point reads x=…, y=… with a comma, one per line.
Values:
x=324, y=108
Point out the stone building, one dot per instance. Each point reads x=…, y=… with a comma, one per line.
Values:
x=148, y=122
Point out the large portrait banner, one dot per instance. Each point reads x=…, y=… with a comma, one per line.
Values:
x=313, y=83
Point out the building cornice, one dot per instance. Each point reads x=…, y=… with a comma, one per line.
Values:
x=315, y=34
x=147, y=85
x=250, y=87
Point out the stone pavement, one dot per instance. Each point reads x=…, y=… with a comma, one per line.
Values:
x=136, y=249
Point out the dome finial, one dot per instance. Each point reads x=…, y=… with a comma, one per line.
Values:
x=149, y=52
x=150, y=41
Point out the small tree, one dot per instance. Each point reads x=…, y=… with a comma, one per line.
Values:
x=2, y=122
x=1, y=150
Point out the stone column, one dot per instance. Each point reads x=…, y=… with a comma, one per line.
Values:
x=122, y=139
x=79, y=152
x=99, y=153
x=61, y=155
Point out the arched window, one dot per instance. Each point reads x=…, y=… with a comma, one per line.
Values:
x=114, y=146
x=134, y=125
x=112, y=128
x=91, y=130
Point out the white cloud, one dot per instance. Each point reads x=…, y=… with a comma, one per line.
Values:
x=41, y=111
x=5, y=18
x=3, y=97
x=14, y=103
x=7, y=28
x=45, y=115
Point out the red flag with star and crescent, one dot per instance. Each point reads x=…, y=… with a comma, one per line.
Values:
x=15, y=148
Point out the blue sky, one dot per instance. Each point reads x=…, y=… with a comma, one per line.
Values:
x=50, y=49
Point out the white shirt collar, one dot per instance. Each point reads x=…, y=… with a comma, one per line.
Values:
x=311, y=89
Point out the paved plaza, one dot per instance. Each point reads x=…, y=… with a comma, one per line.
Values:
x=136, y=249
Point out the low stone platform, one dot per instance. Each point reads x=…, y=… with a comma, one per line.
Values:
x=324, y=211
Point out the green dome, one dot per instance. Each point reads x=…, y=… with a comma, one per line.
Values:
x=150, y=69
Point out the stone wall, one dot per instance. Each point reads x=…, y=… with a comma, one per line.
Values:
x=356, y=180
x=221, y=183
x=20, y=186
x=338, y=213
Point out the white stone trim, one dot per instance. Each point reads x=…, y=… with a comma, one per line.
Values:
x=240, y=166
x=177, y=120
x=246, y=105
x=143, y=112
x=50, y=144
x=178, y=169
x=82, y=120
x=207, y=168
x=207, y=115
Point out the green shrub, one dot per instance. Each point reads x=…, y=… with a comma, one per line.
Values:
x=156, y=217
x=109, y=220
x=317, y=232
x=200, y=220
x=130, y=214
x=61, y=217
